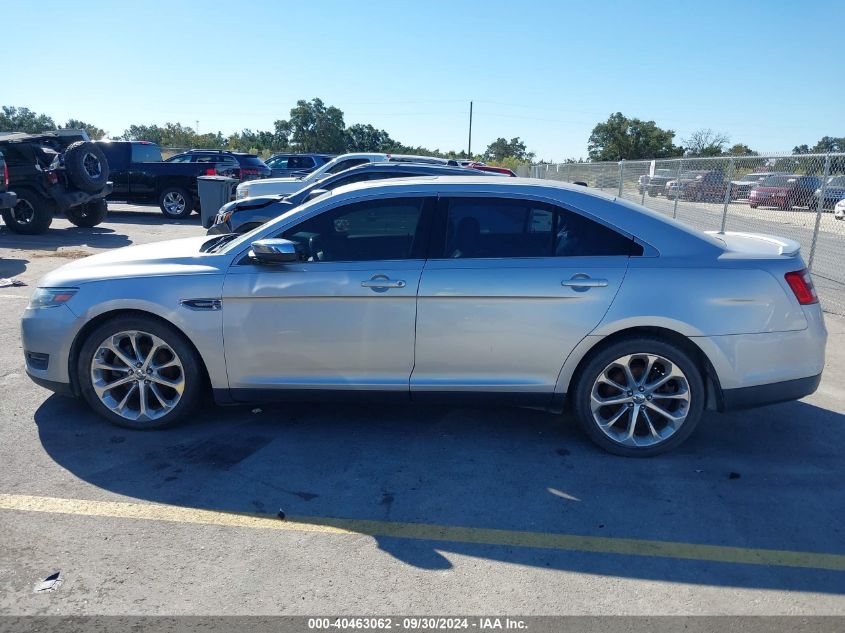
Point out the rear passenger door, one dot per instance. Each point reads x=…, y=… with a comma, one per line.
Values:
x=510, y=288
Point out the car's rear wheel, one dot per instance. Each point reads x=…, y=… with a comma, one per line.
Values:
x=32, y=215
x=89, y=214
x=176, y=203
x=639, y=397
x=139, y=373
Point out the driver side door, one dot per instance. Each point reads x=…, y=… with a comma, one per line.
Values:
x=339, y=320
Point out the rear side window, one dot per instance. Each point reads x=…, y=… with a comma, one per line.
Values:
x=346, y=164
x=499, y=227
x=300, y=162
x=145, y=153
x=250, y=161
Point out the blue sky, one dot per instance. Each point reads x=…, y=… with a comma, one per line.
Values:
x=767, y=73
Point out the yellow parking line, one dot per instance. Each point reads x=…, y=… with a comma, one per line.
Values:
x=425, y=531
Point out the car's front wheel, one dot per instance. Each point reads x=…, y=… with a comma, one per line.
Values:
x=139, y=373
x=639, y=397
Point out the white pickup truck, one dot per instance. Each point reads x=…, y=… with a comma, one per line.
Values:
x=276, y=186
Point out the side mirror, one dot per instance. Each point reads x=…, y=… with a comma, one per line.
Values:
x=316, y=193
x=274, y=251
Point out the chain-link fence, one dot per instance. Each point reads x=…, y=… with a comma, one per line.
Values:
x=788, y=195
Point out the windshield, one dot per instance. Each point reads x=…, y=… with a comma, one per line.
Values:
x=836, y=181
x=778, y=181
x=665, y=173
x=752, y=177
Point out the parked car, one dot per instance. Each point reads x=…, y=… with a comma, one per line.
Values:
x=833, y=192
x=676, y=187
x=741, y=188
x=141, y=176
x=707, y=186
x=839, y=210
x=656, y=184
x=503, y=290
x=275, y=186
x=285, y=165
x=54, y=172
x=784, y=192
x=8, y=199
x=238, y=165
x=245, y=215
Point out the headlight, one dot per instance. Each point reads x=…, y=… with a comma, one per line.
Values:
x=224, y=217
x=51, y=297
x=241, y=193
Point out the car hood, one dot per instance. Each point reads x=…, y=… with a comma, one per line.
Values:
x=171, y=257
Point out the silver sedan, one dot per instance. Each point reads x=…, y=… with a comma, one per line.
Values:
x=465, y=289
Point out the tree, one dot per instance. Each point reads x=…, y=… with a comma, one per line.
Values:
x=313, y=127
x=365, y=138
x=15, y=119
x=500, y=149
x=706, y=142
x=94, y=133
x=741, y=149
x=621, y=138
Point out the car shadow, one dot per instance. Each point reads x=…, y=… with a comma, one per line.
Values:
x=55, y=238
x=11, y=267
x=769, y=479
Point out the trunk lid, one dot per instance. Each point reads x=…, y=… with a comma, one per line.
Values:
x=757, y=244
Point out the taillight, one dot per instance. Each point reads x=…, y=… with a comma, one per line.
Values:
x=802, y=286
x=211, y=171
x=52, y=177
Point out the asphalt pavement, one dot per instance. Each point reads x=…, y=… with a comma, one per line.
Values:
x=371, y=509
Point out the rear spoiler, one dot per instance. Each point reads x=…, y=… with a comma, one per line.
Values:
x=757, y=243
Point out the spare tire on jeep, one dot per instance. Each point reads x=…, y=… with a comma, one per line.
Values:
x=86, y=166
x=89, y=214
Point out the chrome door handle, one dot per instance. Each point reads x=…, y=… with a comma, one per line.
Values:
x=382, y=282
x=584, y=282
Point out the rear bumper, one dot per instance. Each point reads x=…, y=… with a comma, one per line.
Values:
x=8, y=200
x=748, y=397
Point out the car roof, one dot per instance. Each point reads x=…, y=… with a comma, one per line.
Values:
x=399, y=167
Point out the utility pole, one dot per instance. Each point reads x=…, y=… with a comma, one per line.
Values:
x=469, y=144
x=197, y=128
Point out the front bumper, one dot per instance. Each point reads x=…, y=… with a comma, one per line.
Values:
x=8, y=200
x=49, y=332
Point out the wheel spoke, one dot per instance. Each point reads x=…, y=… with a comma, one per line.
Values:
x=177, y=384
x=103, y=389
x=615, y=417
x=151, y=355
x=674, y=418
x=632, y=422
x=133, y=339
x=122, y=404
x=598, y=401
x=648, y=367
x=651, y=428
x=112, y=347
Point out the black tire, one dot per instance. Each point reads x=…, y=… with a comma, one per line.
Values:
x=89, y=214
x=639, y=345
x=32, y=215
x=86, y=166
x=194, y=384
x=176, y=203
x=652, y=194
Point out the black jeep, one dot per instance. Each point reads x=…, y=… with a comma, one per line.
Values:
x=54, y=172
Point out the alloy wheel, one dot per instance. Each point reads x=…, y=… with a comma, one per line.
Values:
x=137, y=375
x=92, y=166
x=640, y=400
x=174, y=202
x=24, y=212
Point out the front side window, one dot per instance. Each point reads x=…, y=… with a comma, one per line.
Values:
x=365, y=231
x=499, y=227
x=300, y=162
x=181, y=158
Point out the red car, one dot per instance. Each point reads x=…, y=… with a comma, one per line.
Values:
x=498, y=170
x=784, y=192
